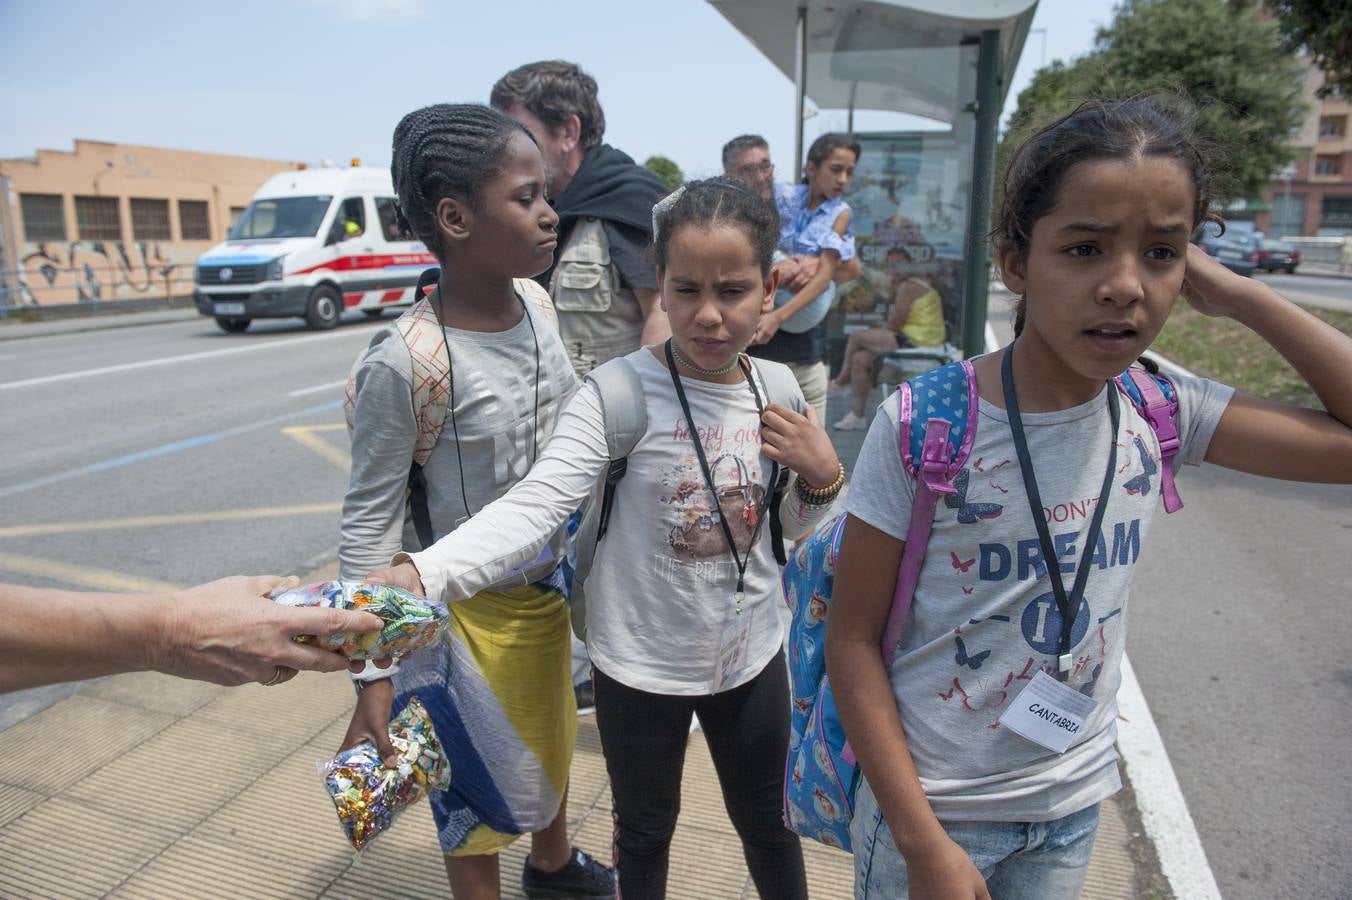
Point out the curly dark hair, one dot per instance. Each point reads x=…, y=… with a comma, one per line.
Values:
x=553, y=90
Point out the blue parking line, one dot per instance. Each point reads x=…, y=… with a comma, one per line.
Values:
x=165, y=449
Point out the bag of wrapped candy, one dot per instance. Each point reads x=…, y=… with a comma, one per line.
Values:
x=368, y=794
x=411, y=622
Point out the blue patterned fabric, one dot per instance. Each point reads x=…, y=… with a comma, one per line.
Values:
x=821, y=775
x=940, y=393
x=819, y=783
x=809, y=232
x=1166, y=387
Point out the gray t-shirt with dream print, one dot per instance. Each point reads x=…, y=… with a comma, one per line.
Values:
x=984, y=619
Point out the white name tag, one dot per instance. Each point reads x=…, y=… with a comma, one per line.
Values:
x=732, y=650
x=1048, y=712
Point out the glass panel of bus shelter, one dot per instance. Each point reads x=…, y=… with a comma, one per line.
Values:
x=911, y=193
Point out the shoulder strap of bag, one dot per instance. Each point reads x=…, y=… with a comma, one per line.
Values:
x=430, y=386
x=944, y=448
x=780, y=387
x=626, y=419
x=1156, y=400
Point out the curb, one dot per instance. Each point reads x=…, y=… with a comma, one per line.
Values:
x=96, y=322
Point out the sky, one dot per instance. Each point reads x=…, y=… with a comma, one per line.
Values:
x=310, y=80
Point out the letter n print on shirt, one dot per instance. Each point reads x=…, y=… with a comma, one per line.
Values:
x=511, y=456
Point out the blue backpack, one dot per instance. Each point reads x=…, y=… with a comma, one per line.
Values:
x=937, y=429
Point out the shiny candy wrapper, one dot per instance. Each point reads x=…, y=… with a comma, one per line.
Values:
x=411, y=622
x=368, y=794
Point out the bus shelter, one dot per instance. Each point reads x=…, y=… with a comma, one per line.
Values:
x=921, y=196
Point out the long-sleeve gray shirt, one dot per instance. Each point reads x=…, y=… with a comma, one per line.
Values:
x=498, y=422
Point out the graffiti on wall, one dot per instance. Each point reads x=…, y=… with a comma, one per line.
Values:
x=53, y=273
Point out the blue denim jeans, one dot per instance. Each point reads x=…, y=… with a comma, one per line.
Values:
x=1019, y=860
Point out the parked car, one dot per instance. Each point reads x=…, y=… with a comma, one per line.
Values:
x=1273, y=255
x=1232, y=253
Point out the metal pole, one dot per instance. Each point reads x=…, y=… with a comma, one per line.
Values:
x=1286, y=205
x=800, y=90
x=849, y=123
x=975, y=271
x=9, y=259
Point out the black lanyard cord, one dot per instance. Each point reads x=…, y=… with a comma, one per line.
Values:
x=1068, y=606
x=450, y=403
x=740, y=561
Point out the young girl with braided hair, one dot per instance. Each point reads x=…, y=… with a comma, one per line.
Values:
x=684, y=612
x=471, y=184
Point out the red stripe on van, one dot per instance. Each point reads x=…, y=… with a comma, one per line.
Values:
x=351, y=300
x=371, y=261
x=391, y=296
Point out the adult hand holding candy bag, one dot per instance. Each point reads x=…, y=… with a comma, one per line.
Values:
x=410, y=622
x=369, y=794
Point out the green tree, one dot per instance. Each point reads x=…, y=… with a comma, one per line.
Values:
x=1323, y=30
x=666, y=170
x=1229, y=62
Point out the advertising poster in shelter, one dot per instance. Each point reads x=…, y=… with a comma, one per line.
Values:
x=910, y=203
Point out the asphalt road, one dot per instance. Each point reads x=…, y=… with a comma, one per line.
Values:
x=1312, y=290
x=229, y=449
x=1240, y=635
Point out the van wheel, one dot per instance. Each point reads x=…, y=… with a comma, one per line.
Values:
x=325, y=304
x=232, y=326
x=374, y=313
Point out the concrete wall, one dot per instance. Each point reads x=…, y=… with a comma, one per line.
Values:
x=86, y=270
x=1310, y=147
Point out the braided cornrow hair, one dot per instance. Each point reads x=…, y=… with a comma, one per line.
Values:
x=445, y=150
x=717, y=201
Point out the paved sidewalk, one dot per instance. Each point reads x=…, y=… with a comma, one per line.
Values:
x=147, y=786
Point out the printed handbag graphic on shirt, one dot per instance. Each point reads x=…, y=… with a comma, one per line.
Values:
x=740, y=502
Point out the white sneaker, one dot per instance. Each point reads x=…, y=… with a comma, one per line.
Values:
x=838, y=390
x=851, y=422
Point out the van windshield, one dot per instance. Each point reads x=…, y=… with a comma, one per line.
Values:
x=281, y=217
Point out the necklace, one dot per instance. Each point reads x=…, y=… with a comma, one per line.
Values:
x=699, y=370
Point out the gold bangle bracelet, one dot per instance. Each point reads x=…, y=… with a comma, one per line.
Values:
x=822, y=495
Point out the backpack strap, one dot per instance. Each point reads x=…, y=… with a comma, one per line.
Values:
x=946, y=401
x=430, y=385
x=780, y=387
x=530, y=290
x=1156, y=400
x=626, y=418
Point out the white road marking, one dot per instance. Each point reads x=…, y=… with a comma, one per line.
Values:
x=319, y=387
x=164, y=449
x=1164, y=811
x=185, y=357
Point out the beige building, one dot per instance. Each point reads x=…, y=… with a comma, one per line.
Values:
x=1320, y=187
x=116, y=221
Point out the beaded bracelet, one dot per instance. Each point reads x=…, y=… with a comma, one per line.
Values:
x=820, y=496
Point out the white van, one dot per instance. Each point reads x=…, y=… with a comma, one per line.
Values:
x=312, y=243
